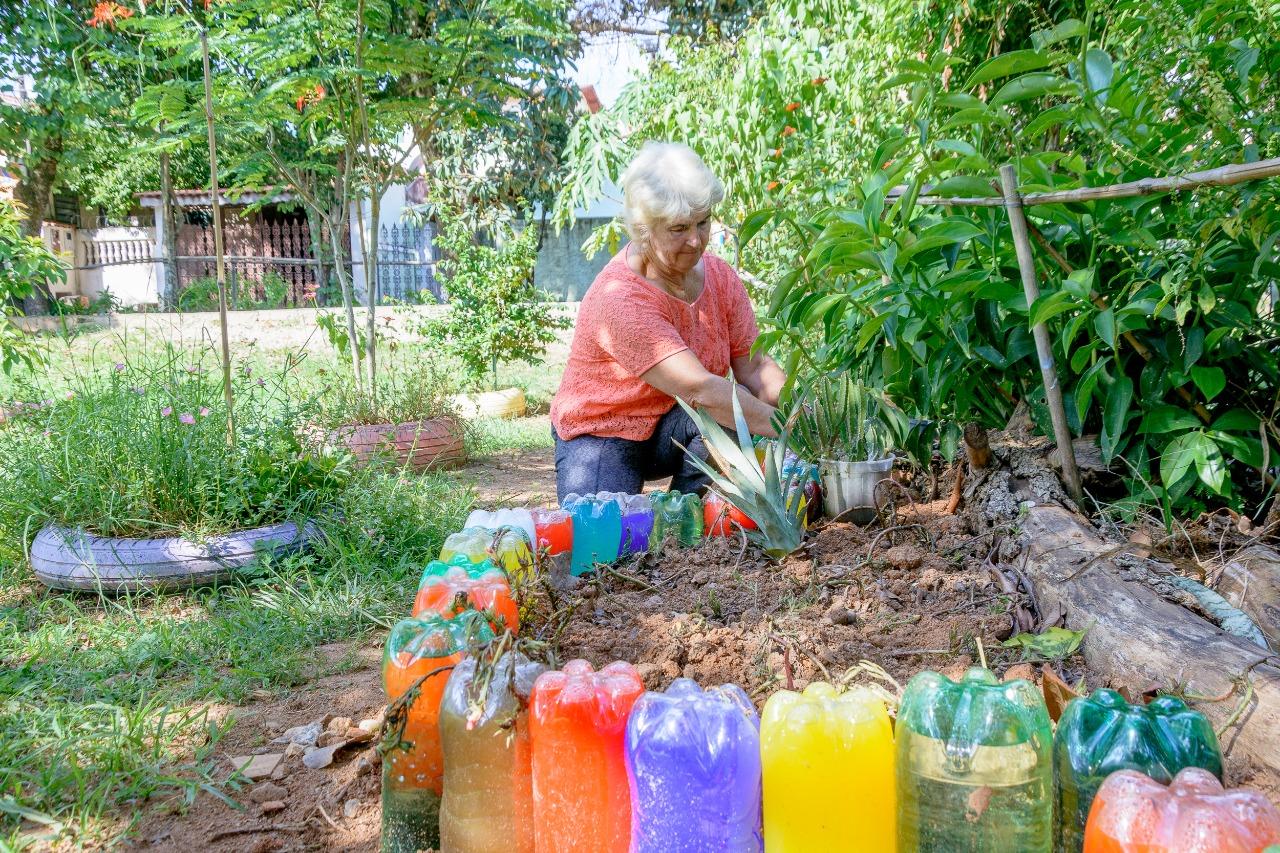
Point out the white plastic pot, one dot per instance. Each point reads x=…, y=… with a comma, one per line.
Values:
x=848, y=488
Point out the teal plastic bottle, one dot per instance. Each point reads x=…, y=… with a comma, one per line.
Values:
x=974, y=766
x=678, y=516
x=1102, y=733
x=597, y=531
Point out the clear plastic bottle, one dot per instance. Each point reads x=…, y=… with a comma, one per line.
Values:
x=974, y=766
x=488, y=789
x=425, y=648
x=693, y=761
x=677, y=516
x=492, y=520
x=828, y=762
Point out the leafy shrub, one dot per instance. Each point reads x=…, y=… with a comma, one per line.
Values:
x=143, y=451
x=25, y=263
x=496, y=314
x=201, y=294
x=404, y=395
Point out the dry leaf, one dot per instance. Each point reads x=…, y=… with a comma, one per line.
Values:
x=979, y=799
x=1141, y=542
x=1057, y=693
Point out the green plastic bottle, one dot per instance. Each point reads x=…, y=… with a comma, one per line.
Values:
x=974, y=766
x=1103, y=733
x=678, y=516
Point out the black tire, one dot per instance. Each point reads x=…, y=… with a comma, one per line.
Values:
x=69, y=558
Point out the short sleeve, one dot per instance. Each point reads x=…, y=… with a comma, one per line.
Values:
x=633, y=329
x=743, y=329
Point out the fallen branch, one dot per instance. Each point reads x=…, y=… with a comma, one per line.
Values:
x=246, y=830
x=958, y=489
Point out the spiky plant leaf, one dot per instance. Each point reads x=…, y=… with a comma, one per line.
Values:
x=760, y=495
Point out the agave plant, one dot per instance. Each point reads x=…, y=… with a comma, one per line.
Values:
x=760, y=494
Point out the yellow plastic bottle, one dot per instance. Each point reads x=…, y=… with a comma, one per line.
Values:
x=828, y=762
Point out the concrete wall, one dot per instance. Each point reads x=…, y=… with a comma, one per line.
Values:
x=562, y=269
x=132, y=284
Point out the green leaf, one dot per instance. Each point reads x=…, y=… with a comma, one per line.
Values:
x=1105, y=324
x=1115, y=414
x=1050, y=305
x=1054, y=644
x=1236, y=420
x=964, y=185
x=1210, y=380
x=1176, y=461
x=1006, y=64
x=1209, y=462
x=1098, y=70
x=1060, y=32
x=1163, y=420
x=1035, y=85
x=753, y=223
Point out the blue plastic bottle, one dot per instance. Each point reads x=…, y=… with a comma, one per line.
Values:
x=597, y=531
x=637, y=521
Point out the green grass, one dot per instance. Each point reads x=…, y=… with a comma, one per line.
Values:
x=488, y=436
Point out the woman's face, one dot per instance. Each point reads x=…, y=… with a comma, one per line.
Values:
x=679, y=244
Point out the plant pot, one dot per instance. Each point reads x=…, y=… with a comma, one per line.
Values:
x=848, y=488
x=507, y=403
x=419, y=445
x=71, y=558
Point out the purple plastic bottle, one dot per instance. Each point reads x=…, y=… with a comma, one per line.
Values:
x=693, y=762
x=637, y=521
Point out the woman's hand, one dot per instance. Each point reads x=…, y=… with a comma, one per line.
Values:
x=683, y=376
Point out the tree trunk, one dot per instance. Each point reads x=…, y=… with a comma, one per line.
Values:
x=34, y=193
x=169, y=229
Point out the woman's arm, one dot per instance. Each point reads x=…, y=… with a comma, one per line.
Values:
x=683, y=376
x=762, y=376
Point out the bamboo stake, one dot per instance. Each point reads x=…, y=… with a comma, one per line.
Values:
x=1052, y=390
x=221, y=265
x=1223, y=176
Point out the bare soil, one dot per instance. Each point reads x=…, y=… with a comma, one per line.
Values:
x=916, y=595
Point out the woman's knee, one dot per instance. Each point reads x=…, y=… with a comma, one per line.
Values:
x=589, y=464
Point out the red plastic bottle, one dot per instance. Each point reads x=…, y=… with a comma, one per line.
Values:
x=577, y=725
x=1134, y=814
x=722, y=518
x=555, y=530
x=446, y=594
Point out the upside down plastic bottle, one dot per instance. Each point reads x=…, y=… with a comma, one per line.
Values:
x=436, y=568
x=693, y=762
x=828, y=763
x=506, y=547
x=597, y=531
x=974, y=765
x=426, y=648
x=578, y=719
x=520, y=519
x=554, y=530
x=677, y=516
x=488, y=792
x=1103, y=733
x=470, y=543
x=637, y=521
x=1132, y=813
x=457, y=589
x=721, y=518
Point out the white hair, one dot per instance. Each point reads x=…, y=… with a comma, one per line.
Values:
x=666, y=181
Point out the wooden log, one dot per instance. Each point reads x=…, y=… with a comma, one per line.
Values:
x=1251, y=582
x=1134, y=638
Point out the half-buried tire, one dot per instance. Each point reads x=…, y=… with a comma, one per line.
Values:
x=68, y=558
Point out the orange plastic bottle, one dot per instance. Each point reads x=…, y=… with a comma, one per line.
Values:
x=1133, y=813
x=446, y=594
x=577, y=725
x=413, y=774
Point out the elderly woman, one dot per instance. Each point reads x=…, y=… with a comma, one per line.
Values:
x=662, y=320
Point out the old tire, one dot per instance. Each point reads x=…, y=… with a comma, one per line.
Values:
x=420, y=445
x=70, y=558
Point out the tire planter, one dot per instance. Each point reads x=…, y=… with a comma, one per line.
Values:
x=419, y=445
x=70, y=558
x=507, y=403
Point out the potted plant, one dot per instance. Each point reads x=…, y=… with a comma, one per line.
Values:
x=410, y=423
x=496, y=314
x=849, y=428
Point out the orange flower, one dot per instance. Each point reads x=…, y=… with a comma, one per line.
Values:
x=793, y=106
x=772, y=185
x=788, y=131
x=777, y=152
x=106, y=14
x=818, y=81
x=313, y=96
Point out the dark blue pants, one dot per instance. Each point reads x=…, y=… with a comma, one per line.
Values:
x=590, y=463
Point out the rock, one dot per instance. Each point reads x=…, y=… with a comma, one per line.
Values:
x=322, y=757
x=653, y=602
x=257, y=767
x=305, y=735
x=841, y=615
x=329, y=738
x=374, y=723
x=351, y=808
x=268, y=791
x=294, y=750
x=650, y=674
x=1020, y=670
x=272, y=806
x=339, y=724
x=358, y=735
